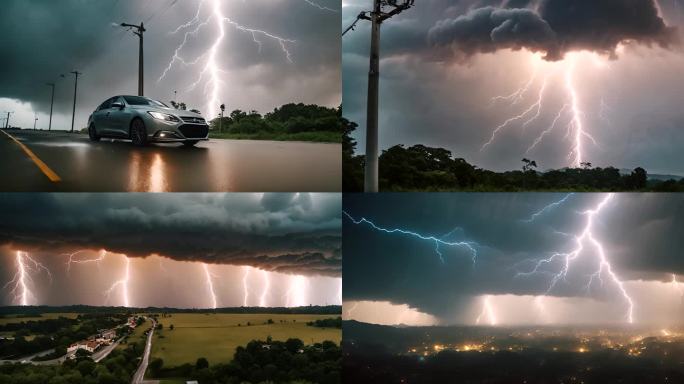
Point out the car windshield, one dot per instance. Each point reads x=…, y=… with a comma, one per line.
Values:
x=139, y=100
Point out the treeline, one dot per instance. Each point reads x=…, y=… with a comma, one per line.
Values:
x=264, y=362
x=84, y=309
x=297, y=120
x=53, y=333
x=117, y=368
x=326, y=323
x=422, y=168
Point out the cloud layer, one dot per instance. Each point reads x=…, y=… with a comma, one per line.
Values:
x=555, y=27
x=288, y=233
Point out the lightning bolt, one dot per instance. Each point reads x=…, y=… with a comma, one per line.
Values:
x=548, y=208
x=210, y=285
x=677, y=287
x=122, y=284
x=604, y=268
x=577, y=131
x=267, y=287
x=539, y=303
x=74, y=260
x=487, y=313
x=245, y=287
x=296, y=293
x=211, y=71
x=438, y=241
x=22, y=281
x=323, y=8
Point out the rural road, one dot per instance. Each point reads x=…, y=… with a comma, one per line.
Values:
x=140, y=373
x=41, y=161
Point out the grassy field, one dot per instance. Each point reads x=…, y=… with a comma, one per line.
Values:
x=8, y=319
x=215, y=336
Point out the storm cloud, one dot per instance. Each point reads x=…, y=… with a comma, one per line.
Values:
x=44, y=39
x=287, y=233
x=639, y=234
x=438, y=96
x=555, y=27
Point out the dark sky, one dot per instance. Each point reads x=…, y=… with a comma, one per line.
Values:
x=444, y=61
x=43, y=39
x=640, y=235
x=257, y=249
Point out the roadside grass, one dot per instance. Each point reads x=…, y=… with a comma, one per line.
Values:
x=316, y=137
x=216, y=336
x=138, y=334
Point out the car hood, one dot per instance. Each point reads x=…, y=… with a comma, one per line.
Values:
x=172, y=111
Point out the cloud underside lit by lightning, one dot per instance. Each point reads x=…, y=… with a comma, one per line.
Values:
x=437, y=241
x=569, y=114
x=211, y=73
x=603, y=269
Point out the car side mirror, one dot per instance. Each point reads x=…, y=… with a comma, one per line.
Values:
x=118, y=105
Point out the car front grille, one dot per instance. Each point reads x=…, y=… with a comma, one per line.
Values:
x=194, y=131
x=193, y=120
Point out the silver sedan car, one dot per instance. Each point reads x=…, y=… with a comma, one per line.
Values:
x=143, y=120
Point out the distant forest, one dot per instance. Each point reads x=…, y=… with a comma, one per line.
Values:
x=422, y=168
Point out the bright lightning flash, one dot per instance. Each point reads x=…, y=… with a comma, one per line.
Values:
x=245, y=286
x=570, y=112
x=604, y=268
x=487, y=315
x=211, y=71
x=22, y=281
x=73, y=258
x=438, y=241
x=210, y=285
x=267, y=287
x=122, y=284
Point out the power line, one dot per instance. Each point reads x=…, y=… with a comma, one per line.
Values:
x=361, y=16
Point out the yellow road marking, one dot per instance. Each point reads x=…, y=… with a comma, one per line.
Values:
x=43, y=167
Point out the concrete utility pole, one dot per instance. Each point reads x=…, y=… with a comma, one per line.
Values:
x=52, y=103
x=377, y=17
x=73, y=115
x=139, y=31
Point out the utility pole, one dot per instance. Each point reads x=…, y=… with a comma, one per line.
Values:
x=377, y=17
x=7, y=120
x=73, y=115
x=139, y=31
x=223, y=109
x=52, y=102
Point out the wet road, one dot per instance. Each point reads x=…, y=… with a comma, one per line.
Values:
x=117, y=166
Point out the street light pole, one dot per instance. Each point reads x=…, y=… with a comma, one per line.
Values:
x=73, y=115
x=139, y=31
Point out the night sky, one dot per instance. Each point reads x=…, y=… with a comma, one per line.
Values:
x=450, y=70
x=43, y=39
x=268, y=250
x=503, y=243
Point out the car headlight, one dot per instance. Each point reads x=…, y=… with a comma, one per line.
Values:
x=164, y=117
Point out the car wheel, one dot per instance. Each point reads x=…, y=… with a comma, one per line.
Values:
x=92, y=133
x=190, y=143
x=138, y=133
